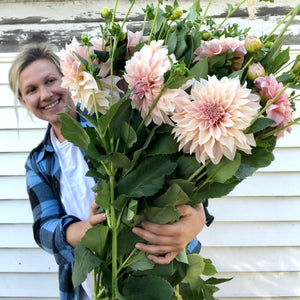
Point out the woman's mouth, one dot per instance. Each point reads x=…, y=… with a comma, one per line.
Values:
x=51, y=105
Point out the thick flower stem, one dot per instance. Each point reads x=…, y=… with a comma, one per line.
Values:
x=205, y=13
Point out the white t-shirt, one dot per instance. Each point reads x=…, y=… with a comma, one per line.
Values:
x=75, y=189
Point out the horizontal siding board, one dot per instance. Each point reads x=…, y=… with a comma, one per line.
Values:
x=253, y=259
x=262, y=284
x=7, y=97
x=8, y=119
x=219, y=234
x=226, y=259
x=227, y=209
x=29, y=285
x=274, y=185
x=12, y=163
x=31, y=260
x=249, y=234
x=20, y=140
x=255, y=208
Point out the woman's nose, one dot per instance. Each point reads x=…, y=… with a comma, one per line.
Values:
x=45, y=93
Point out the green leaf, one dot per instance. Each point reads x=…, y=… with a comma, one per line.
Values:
x=147, y=178
x=172, y=41
x=182, y=257
x=173, y=196
x=165, y=215
x=209, y=268
x=141, y=288
x=105, y=119
x=95, y=239
x=195, y=10
x=196, y=267
x=259, y=158
x=178, y=80
x=103, y=56
x=200, y=69
x=103, y=197
x=163, y=144
x=85, y=262
x=259, y=125
x=213, y=280
x=141, y=262
x=128, y=134
x=225, y=169
x=73, y=131
x=119, y=160
x=281, y=59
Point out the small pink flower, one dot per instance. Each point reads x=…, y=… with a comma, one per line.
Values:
x=145, y=77
x=212, y=124
x=134, y=38
x=280, y=111
x=219, y=46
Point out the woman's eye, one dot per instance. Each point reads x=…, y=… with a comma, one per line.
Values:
x=30, y=90
x=51, y=80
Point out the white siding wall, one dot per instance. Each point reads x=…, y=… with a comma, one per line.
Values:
x=255, y=237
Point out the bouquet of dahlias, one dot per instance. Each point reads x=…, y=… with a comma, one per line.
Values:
x=180, y=111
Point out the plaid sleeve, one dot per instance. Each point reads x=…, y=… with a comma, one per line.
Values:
x=49, y=218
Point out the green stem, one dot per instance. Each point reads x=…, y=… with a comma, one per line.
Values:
x=269, y=104
x=294, y=11
x=144, y=23
x=128, y=12
x=228, y=16
x=278, y=129
x=154, y=23
x=198, y=171
x=162, y=29
x=125, y=263
x=205, y=13
x=114, y=13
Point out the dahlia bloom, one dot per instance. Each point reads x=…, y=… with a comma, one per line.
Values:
x=80, y=83
x=280, y=111
x=212, y=124
x=219, y=46
x=145, y=77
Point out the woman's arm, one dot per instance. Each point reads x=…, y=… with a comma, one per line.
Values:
x=171, y=239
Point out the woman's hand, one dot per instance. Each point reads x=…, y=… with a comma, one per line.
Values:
x=76, y=231
x=171, y=239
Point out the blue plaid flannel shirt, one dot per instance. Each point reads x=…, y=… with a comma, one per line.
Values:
x=49, y=217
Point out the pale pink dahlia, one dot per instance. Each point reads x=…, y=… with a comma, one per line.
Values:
x=134, y=38
x=145, y=77
x=83, y=85
x=219, y=46
x=280, y=111
x=212, y=124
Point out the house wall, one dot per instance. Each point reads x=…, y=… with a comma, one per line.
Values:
x=255, y=237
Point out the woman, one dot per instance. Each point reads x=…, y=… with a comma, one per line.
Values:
x=62, y=202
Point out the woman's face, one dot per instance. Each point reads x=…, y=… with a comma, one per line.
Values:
x=41, y=91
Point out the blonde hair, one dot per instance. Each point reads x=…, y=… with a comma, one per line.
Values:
x=28, y=55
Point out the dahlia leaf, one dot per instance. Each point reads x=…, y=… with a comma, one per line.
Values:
x=200, y=69
x=196, y=267
x=96, y=239
x=224, y=170
x=73, y=131
x=85, y=261
x=163, y=144
x=259, y=125
x=165, y=215
x=147, y=179
x=141, y=288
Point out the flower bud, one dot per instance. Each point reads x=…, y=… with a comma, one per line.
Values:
x=206, y=35
x=177, y=13
x=105, y=13
x=252, y=43
x=255, y=71
x=268, y=45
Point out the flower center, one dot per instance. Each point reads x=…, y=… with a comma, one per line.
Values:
x=212, y=113
x=141, y=88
